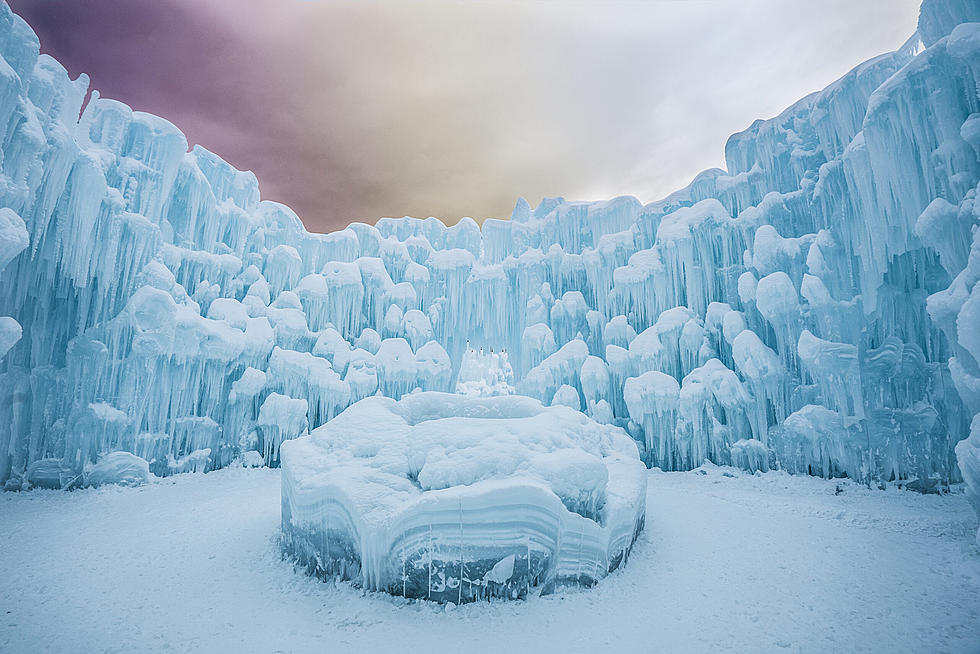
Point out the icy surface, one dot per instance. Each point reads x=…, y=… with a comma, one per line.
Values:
x=120, y=468
x=816, y=303
x=437, y=496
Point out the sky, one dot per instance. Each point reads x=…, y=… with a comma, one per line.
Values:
x=350, y=111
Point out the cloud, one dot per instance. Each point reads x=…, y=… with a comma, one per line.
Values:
x=357, y=110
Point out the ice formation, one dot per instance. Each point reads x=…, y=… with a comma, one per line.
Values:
x=456, y=498
x=485, y=373
x=815, y=307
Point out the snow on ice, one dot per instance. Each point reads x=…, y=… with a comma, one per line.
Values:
x=455, y=498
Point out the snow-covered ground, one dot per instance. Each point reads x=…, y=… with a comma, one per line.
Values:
x=727, y=563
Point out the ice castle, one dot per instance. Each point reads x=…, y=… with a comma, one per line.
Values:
x=813, y=308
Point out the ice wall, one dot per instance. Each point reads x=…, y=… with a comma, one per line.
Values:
x=813, y=308
x=949, y=223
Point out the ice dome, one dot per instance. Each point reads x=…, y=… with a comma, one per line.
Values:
x=456, y=498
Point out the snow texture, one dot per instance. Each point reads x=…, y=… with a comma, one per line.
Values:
x=729, y=562
x=817, y=303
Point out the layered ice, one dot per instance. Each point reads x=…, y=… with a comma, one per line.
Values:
x=455, y=498
x=814, y=307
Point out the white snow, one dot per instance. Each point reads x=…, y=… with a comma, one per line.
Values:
x=727, y=563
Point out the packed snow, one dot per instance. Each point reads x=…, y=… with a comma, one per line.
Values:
x=728, y=562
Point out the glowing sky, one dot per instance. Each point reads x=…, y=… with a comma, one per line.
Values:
x=356, y=110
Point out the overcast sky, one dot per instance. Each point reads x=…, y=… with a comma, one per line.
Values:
x=356, y=110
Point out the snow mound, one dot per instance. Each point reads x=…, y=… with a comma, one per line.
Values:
x=457, y=498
